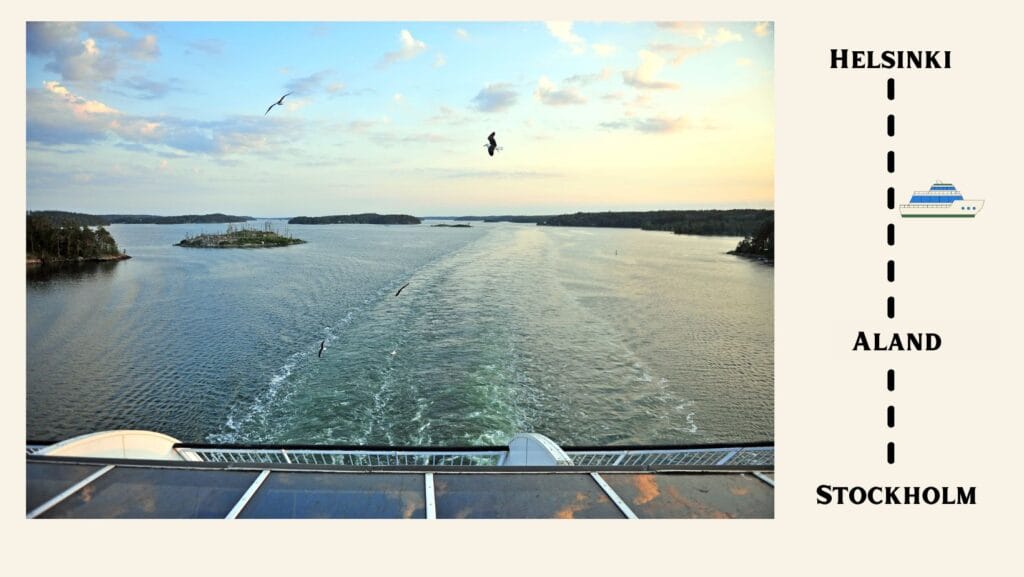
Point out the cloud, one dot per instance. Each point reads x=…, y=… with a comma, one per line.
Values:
x=677, y=53
x=603, y=49
x=744, y=62
x=397, y=98
x=563, y=32
x=146, y=89
x=461, y=34
x=495, y=97
x=644, y=75
x=449, y=116
x=145, y=48
x=693, y=29
x=308, y=85
x=724, y=36
x=439, y=60
x=208, y=46
x=586, y=79
x=697, y=30
x=762, y=29
x=651, y=125
x=79, y=59
x=410, y=49
x=56, y=116
x=548, y=94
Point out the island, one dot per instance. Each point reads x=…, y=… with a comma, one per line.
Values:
x=65, y=241
x=244, y=237
x=364, y=218
x=453, y=225
x=108, y=219
x=760, y=245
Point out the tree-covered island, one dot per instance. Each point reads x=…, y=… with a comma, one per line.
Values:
x=66, y=241
x=244, y=237
x=364, y=218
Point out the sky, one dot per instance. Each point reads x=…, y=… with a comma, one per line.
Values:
x=391, y=117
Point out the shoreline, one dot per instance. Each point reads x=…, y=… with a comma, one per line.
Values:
x=762, y=259
x=35, y=261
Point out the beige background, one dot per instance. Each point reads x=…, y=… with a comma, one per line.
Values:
x=957, y=409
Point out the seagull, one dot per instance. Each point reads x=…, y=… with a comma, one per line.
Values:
x=491, y=144
x=401, y=289
x=280, y=102
x=321, y=353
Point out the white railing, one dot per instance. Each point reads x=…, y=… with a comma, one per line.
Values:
x=752, y=457
x=755, y=457
x=345, y=457
x=33, y=449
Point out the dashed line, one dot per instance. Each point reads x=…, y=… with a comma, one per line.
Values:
x=890, y=266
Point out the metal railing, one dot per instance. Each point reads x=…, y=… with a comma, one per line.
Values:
x=33, y=449
x=346, y=457
x=753, y=457
x=711, y=457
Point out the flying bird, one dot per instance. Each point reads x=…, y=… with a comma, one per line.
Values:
x=321, y=353
x=280, y=102
x=401, y=289
x=492, y=144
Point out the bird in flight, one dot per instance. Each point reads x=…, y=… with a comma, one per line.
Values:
x=280, y=102
x=321, y=353
x=401, y=289
x=492, y=144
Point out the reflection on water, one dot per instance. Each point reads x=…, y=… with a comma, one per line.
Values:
x=589, y=336
x=69, y=272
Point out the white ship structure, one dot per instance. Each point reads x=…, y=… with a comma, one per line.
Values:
x=942, y=200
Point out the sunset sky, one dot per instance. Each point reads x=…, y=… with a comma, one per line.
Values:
x=168, y=118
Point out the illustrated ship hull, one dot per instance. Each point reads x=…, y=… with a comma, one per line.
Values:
x=956, y=209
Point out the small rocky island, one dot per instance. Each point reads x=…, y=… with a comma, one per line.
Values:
x=453, y=225
x=244, y=237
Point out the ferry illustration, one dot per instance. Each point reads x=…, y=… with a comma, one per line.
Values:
x=942, y=200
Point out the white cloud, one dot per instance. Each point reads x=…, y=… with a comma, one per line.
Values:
x=586, y=79
x=724, y=36
x=697, y=30
x=562, y=30
x=410, y=48
x=651, y=125
x=603, y=49
x=762, y=29
x=677, y=53
x=644, y=75
x=549, y=94
x=744, y=62
x=495, y=97
x=439, y=60
x=461, y=33
x=692, y=29
x=397, y=98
